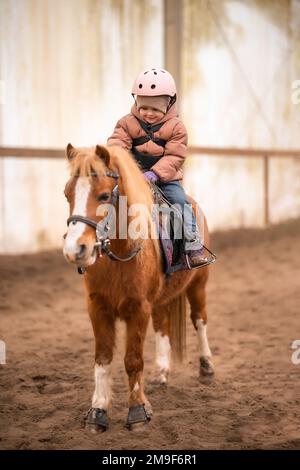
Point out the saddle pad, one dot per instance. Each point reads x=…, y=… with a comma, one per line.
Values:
x=172, y=249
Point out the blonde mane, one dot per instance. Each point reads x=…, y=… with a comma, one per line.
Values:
x=84, y=161
x=132, y=183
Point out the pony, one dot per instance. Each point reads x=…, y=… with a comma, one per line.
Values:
x=123, y=277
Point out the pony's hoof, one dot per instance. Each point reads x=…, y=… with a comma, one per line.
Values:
x=138, y=418
x=138, y=427
x=157, y=382
x=96, y=420
x=95, y=428
x=206, y=367
x=160, y=379
x=148, y=409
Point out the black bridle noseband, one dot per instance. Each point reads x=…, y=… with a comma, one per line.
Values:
x=102, y=228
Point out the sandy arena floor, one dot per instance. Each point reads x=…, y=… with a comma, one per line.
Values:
x=254, y=315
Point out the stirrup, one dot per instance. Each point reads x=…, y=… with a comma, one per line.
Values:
x=209, y=261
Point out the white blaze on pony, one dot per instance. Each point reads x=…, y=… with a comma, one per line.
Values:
x=75, y=231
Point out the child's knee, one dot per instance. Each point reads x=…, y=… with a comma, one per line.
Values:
x=180, y=196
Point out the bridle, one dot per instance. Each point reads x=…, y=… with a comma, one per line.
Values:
x=102, y=228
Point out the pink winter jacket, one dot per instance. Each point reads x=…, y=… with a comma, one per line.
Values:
x=169, y=166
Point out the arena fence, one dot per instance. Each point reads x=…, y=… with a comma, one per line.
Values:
x=264, y=154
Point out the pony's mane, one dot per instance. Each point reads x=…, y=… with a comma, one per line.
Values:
x=132, y=183
x=84, y=162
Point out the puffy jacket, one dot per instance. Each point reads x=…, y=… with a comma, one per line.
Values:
x=173, y=131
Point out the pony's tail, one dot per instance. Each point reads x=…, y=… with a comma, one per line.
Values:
x=177, y=326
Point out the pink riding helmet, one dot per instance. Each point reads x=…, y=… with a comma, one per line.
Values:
x=154, y=82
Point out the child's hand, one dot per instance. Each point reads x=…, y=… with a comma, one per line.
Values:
x=151, y=176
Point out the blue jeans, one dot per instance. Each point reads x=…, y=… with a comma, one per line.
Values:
x=175, y=194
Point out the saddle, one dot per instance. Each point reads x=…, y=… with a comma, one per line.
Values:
x=171, y=242
x=170, y=230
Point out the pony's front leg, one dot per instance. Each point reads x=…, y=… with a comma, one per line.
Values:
x=104, y=330
x=137, y=318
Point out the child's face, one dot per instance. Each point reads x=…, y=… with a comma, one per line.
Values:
x=150, y=115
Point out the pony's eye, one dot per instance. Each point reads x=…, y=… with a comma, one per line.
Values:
x=104, y=197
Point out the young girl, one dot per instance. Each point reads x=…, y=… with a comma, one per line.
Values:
x=158, y=139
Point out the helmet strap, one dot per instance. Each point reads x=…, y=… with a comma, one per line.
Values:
x=172, y=101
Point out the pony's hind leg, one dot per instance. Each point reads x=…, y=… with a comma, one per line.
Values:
x=104, y=330
x=136, y=315
x=162, y=346
x=169, y=326
x=197, y=298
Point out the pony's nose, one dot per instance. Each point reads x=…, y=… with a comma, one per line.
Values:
x=81, y=252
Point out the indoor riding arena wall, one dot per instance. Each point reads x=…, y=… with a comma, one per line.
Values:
x=66, y=71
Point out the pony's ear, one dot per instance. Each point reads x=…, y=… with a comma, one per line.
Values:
x=70, y=151
x=103, y=153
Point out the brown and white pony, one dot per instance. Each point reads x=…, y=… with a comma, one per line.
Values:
x=130, y=290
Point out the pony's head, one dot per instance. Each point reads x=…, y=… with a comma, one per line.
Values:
x=96, y=173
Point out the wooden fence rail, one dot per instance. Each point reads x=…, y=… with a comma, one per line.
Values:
x=265, y=154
